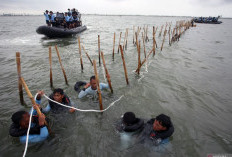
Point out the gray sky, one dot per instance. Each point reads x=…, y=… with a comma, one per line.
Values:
x=128, y=7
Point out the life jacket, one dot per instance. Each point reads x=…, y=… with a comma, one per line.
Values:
x=16, y=131
x=79, y=85
x=138, y=125
x=159, y=134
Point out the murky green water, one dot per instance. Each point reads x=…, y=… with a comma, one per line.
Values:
x=189, y=81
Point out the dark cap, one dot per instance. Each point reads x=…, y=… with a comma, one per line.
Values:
x=51, y=12
x=46, y=11
x=129, y=118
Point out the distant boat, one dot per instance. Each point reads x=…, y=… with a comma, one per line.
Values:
x=60, y=31
x=207, y=20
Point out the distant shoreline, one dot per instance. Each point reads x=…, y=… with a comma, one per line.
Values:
x=12, y=14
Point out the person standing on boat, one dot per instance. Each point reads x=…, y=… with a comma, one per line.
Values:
x=91, y=87
x=52, y=19
x=69, y=12
x=71, y=22
x=66, y=20
x=47, y=17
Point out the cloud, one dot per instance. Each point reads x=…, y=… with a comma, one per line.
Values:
x=132, y=7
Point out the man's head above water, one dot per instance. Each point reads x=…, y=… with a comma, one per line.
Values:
x=93, y=82
x=162, y=123
x=58, y=94
x=21, y=118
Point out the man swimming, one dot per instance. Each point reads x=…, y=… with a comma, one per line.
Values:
x=59, y=96
x=91, y=87
x=38, y=130
x=158, y=129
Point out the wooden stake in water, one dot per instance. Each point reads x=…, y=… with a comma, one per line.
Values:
x=145, y=59
x=33, y=102
x=124, y=43
x=99, y=50
x=79, y=43
x=119, y=41
x=18, y=62
x=87, y=55
x=161, y=30
x=124, y=64
x=98, y=86
x=126, y=38
x=50, y=63
x=163, y=40
x=169, y=35
x=153, y=34
x=106, y=72
x=144, y=47
x=139, y=60
x=113, y=46
x=58, y=54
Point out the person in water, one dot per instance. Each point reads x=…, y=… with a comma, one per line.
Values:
x=129, y=123
x=38, y=130
x=158, y=129
x=47, y=17
x=91, y=87
x=59, y=96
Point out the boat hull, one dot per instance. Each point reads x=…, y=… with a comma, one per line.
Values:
x=53, y=32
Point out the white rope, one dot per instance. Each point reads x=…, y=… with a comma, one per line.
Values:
x=71, y=107
x=28, y=130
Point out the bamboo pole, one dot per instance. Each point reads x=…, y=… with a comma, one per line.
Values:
x=58, y=54
x=153, y=37
x=139, y=60
x=113, y=46
x=98, y=86
x=161, y=30
x=99, y=50
x=126, y=38
x=87, y=55
x=124, y=43
x=50, y=63
x=124, y=65
x=146, y=39
x=144, y=60
x=33, y=102
x=18, y=62
x=119, y=40
x=107, y=73
x=79, y=43
x=169, y=35
x=144, y=47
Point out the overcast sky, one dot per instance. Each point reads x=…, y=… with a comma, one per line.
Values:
x=128, y=7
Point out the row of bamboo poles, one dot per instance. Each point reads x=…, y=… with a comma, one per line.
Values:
x=173, y=35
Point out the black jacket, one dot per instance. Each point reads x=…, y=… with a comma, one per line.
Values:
x=138, y=125
x=148, y=133
x=16, y=131
x=58, y=108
